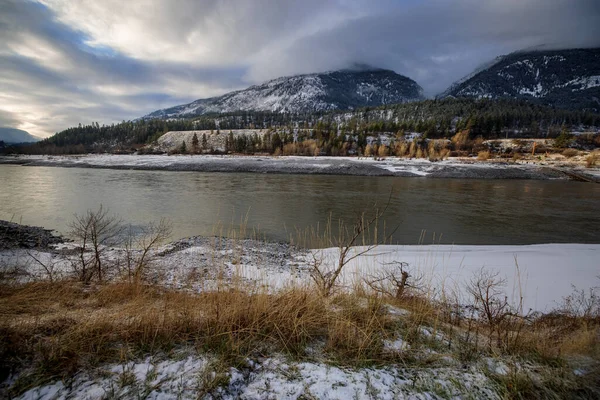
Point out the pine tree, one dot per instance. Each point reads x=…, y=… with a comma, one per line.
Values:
x=195, y=143
x=183, y=148
x=204, y=142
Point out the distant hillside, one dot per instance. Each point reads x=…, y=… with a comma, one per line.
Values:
x=560, y=78
x=12, y=135
x=435, y=118
x=344, y=89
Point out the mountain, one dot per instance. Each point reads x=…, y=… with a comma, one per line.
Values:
x=343, y=89
x=560, y=78
x=12, y=135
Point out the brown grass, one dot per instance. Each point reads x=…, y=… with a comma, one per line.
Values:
x=569, y=153
x=63, y=327
x=483, y=155
x=59, y=328
x=592, y=160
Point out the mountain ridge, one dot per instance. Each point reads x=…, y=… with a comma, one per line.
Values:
x=13, y=135
x=567, y=78
x=316, y=92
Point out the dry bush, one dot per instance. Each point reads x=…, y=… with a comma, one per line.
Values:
x=483, y=155
x=570, y=153
x=383, y=151
x=412, y=149
x=95, y=231
x=592, y=160
x=395, y=281
x=401, y=149
x=490, y=305
x=461, y=140
x=365, y=231
x=139, y=245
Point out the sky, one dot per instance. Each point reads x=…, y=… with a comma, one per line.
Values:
x=64, y=62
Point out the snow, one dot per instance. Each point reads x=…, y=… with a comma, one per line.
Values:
x=267, y=378
x=543, y=274
x=536, y=91
x=583, y=83
x=303, y=93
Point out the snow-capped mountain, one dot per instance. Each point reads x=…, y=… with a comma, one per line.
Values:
x=561, y=78
x=343, y=89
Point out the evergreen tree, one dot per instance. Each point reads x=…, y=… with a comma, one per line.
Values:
x=195, y=143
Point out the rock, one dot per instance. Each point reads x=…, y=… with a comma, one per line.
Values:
x=14, y=235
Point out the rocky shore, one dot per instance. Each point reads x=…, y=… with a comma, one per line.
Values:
x=18, y=236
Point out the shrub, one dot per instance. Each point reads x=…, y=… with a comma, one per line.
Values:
x=563, y=139
x=591, y=160
x=483, y=155
x=570, y=153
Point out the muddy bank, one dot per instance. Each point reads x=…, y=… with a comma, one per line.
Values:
x=453, y=168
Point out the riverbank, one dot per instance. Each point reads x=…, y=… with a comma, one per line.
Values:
x=537, y=276
x=459, y=168
x=211, y=317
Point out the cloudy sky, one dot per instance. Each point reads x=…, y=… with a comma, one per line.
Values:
x=68, y=61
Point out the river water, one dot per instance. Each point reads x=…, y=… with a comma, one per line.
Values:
x=275, y=207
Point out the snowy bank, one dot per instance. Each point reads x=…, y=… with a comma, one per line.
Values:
x=391, y=166
x=542, y=275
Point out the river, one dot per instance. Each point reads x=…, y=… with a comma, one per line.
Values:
x=447, y=211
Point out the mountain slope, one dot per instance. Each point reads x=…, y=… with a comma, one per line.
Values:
x=344, y=89
x=561, y=78
x=12, y=135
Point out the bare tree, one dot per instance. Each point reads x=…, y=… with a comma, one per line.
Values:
x=326, y=278
x=491, y=305
x=95, y=230
x=138, y=247
x=49, y=267
x=393, y=280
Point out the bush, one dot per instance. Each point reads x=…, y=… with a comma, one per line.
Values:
x=570, y=153
x=483, y=155
x=562, y=140
x=592, y=160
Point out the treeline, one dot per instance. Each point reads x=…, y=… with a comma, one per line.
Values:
x=435, y=119
x=486, y=118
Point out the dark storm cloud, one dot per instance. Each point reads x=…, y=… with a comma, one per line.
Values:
x=437, y=42
x=64, y=62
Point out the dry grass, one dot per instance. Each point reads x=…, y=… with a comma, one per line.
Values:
x=483, y=155
x=569, y=153
x=63, y=327
x=592, y=160
x=59, y=328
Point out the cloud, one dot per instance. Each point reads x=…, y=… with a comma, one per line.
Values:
x=63, y=62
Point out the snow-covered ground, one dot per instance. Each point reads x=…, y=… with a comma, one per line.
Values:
x=369, y=166
x=269, y=378
x=541, y=275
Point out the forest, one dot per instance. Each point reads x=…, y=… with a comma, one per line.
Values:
x=332, y=133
